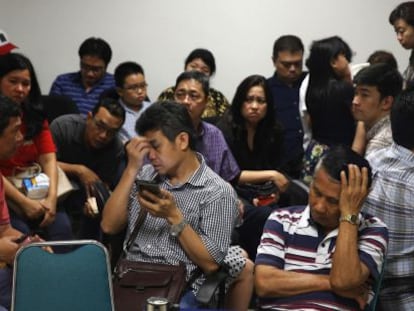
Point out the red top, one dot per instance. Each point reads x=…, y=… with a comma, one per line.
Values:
x=4, y=212
x=30, y=150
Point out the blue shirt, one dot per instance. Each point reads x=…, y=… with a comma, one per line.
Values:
x=286, y=102
x=70, y=84
x=131, y=116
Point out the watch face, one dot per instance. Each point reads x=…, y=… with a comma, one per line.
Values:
x=354, y=218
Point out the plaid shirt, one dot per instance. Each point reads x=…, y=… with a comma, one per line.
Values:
x=392, y=199
x=209, y=205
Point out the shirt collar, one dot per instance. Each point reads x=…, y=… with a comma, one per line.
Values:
x=384, y=122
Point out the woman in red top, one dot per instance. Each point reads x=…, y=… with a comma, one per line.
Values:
x=18, y=82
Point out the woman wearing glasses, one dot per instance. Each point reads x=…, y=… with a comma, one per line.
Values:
x=18, y=82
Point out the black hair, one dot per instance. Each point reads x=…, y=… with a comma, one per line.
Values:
x=381, y=56
x=170, y=117
x=194, y=75
x=32, y=106
x=288, y=43
x=123, y=70
x=322, y=52
x=205, y=55
x=96, y=47
x=386, y=78
x=112, y=105
x=8, y=109
x=402, y=119
x=337, y=159
x=404, y=11
x=268, y=136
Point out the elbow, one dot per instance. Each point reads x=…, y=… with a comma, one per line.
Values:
x=107, y=228
x=211, y=267
x=260, y=285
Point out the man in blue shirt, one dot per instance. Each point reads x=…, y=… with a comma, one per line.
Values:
x=284, y=85
x=86, y=85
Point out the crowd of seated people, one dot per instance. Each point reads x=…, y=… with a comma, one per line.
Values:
x=328, y=251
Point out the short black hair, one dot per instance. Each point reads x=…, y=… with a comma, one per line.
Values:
x=194, y=75
x=112, y=105
x=404, y=11
x=288, y=43
x=123, y=70
x=170, y=117
x=337, y=158
x=387, y=79
x=205, y=55
x=8, y=109
x=96, y=47
x=402, y=119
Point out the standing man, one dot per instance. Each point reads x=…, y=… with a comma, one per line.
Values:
x=326, y=255
x=376, y=87
x=284, y=85
x=391, y=199
x=10, y=138
x=86, y=85
x=89, y=150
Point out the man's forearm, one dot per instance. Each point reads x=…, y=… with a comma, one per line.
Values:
x=274, y=282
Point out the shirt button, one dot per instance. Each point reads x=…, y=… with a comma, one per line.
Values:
x=149, y=246
x=323, y=244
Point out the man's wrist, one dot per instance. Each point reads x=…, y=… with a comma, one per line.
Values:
x=351, y=218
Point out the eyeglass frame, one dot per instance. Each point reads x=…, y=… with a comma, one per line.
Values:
x=102, y=127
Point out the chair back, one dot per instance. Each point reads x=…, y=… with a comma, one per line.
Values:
x=76, y=280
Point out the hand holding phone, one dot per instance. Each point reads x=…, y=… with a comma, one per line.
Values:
x=148, y=185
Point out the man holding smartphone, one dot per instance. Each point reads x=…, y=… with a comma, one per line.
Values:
x=192, y=218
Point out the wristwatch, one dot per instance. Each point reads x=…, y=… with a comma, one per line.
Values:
x=351, y=218
x=175, y=230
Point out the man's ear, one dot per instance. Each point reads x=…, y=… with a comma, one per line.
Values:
x=119, y=91
x=387, y=102
x=183, y=141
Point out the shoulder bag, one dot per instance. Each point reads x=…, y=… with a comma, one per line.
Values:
x=134, y=281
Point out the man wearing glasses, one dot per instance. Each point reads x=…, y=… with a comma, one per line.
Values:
x=85, y=86
x=88, y=151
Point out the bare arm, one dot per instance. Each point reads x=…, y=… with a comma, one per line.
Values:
x=347, y=269
x=190, y=241
x=273, y=282
x=359, y=143
x=115, y=212
x=262, y=176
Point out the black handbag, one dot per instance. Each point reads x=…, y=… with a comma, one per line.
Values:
x=134, y=282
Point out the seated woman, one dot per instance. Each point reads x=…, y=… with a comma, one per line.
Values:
x=255, y=139
x=202, y=60
x=329, y=101
x=18, y=82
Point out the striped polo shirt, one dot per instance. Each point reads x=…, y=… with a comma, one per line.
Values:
x=70, y=84
x=291, y=241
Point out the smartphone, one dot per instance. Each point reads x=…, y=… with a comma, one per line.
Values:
x=148, y=185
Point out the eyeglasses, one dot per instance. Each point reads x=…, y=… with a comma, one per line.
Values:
x=136, y=87
x=103, y=128
x=94, y=69
x=182, y=94
x=259, y=100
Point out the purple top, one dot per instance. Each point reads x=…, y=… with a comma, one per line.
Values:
x=212, y=145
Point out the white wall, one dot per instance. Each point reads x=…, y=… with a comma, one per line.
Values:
x=159, y=34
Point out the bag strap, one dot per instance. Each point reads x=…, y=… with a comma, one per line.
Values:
x=140, y=220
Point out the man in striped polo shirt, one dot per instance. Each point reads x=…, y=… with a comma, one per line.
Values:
x=85, y=86
x=327, y=255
